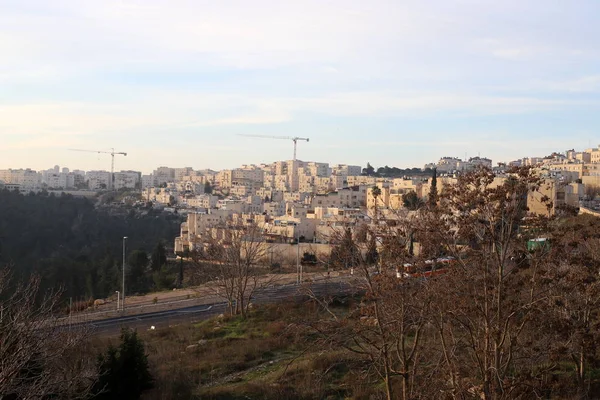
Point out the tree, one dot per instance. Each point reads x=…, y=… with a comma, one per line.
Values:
x=372, y=256
x=484, y=336
x=386, y=330
x=124, y=371
x=159, y=257
x=40, y=357
x=376, y=192
x=433, y=192
x=208, y=189
x=346, y=253
x=138, y=264
x=231, y=258
x=369, y=170
x=411, y=200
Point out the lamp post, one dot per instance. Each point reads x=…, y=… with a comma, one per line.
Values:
x=123, y=291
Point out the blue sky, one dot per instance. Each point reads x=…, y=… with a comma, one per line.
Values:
x=398, y=82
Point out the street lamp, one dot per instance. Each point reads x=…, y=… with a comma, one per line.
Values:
x=123, y=291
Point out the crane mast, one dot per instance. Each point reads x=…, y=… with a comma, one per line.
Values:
x=112, y=153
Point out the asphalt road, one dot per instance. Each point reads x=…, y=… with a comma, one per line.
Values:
x=193, y=314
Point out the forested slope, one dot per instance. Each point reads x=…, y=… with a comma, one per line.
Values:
x=72, y=244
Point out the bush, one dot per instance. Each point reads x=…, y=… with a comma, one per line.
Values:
x=124, y=372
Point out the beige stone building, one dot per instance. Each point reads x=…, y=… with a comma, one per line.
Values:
x=557, y=193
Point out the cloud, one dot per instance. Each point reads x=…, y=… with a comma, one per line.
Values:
x=105, y=70
x=586, y=84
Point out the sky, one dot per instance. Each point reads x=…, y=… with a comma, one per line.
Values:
x=399, y=83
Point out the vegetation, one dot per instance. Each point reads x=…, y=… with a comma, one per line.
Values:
x=74, y=245
x=233, y=264
x=394, y=172
x=40, y=357
x=470, y=312
x=123, y=371
x=271, y=354
x=412, y=201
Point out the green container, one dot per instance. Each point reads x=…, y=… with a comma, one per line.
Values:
x=538, y=244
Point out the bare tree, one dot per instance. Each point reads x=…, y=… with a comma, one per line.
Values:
x=41, y=355
x=489, y=300
x=233, y=263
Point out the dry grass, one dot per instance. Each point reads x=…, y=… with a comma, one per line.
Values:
x=270, y=355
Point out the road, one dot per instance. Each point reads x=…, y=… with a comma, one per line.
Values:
x=193, y=314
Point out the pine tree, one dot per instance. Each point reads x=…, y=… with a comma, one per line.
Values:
x=433, y=193
x=124, y=371
x=372, y=256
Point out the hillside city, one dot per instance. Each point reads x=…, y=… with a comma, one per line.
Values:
x=304, y=200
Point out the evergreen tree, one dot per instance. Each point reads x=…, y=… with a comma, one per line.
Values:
x=159, y=257
x=369, y=170
x=138, y=263
x=433, y=193
x=411, y=200
x=346, y=254
x=124, y=371
x=372, y=256
x=208, y=189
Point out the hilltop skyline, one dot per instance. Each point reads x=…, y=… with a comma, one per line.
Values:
x=397, y=83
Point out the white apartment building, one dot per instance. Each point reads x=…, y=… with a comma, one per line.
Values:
x=315, y=169
x=206, y=201
x=343, y=198
x=180, y=173
x=98, y=180
x=60, y=180
x=355, y=180
x=163, y=175
x=148, y=181
x=274, y=208
x=346, y=170
x=27, y=179
x=127, y=180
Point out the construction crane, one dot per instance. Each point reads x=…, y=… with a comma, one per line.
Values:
x=293, y=139
x=112, y=153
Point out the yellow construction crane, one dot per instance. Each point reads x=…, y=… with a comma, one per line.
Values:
x=112, y=153
x=294, y=139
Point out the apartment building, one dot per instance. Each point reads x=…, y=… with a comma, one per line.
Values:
x=346, y=170
x=127, y=180
x=349, y=197
x=356, y=180
x=163, y=175
x=180, y=173
x=205, y=201
x=27, y=179
x=289, y=229
x=558, y=193
x=270, y=194
x=98, y=180
x=274, y=208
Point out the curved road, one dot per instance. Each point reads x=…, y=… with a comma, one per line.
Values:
x=192, y=314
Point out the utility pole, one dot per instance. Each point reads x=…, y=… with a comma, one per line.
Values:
x=298, y=279
x=123, y=297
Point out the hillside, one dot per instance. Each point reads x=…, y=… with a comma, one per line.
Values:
x=71, y=243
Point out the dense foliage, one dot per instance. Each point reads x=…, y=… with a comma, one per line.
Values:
x=123, y=371
x=395, y=172
x=72, y=244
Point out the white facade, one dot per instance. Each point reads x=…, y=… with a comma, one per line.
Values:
x=27, y=179
x=98, y=179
